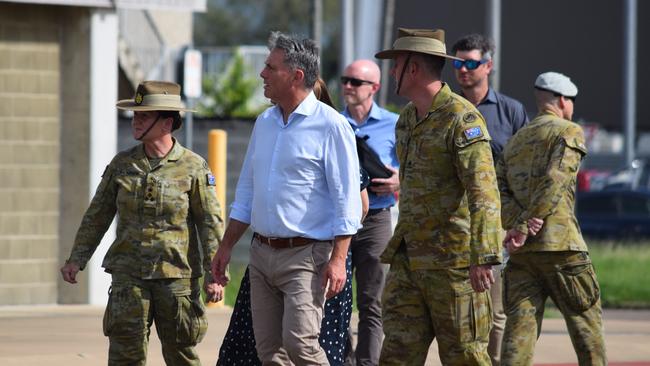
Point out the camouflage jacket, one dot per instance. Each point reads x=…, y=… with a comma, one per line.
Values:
x=449, y=201
x=160, y=210
x=537, y=177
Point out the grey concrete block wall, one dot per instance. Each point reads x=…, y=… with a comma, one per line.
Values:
x=29, y=153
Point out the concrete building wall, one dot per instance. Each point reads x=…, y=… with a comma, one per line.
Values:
x=30, y=123
x=75, y=101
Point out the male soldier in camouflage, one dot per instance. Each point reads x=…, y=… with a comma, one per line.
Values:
x=548, y=257
x=165, y=198
x=447, y=235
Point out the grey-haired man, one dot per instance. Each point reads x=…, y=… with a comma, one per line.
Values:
x=299, y=191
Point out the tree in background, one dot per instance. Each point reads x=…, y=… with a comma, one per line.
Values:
x=229, y=93
x=249, y=22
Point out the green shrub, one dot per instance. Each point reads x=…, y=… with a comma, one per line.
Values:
x=228, y=94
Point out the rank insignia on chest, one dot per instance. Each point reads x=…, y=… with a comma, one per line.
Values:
x=472, y=133
x=210, y=179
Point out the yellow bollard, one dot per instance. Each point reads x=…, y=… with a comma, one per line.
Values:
x=217, y=150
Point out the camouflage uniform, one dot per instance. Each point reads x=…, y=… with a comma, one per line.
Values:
x=155, y=259
x=537, y=178
x=449, y=220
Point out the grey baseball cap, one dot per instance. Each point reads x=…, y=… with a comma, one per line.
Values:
x=557, y=83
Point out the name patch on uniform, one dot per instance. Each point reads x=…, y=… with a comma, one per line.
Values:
x=210, y=179
x=472, y=133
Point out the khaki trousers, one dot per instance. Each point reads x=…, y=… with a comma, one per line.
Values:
x=287, y=301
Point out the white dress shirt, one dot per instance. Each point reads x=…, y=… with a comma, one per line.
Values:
x=300, y=178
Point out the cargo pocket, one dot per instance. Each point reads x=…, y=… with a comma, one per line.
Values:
x=473, y=312
x=107, y=322
x=192, y=323
x=577, y=285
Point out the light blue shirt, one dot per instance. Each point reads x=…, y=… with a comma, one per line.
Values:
x=302, y=178
x=379, y=126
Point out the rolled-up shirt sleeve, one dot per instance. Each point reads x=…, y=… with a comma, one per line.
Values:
x=342, y=174
x=242, y=207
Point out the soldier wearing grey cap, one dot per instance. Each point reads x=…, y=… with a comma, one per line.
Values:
x=548, y=256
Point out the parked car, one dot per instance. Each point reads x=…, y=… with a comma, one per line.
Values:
x=614, y=213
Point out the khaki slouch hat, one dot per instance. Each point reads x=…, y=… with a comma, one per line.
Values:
x=155, y=96
x=427, y=41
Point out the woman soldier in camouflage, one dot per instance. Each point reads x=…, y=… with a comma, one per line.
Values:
x=165, y=199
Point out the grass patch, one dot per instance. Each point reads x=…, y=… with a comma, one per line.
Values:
x=623, y=270
x=236, y=271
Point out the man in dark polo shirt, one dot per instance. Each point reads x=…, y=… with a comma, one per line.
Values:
x=504, y=116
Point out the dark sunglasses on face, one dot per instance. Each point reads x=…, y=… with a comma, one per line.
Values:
x=354, y=82
x=469, y=64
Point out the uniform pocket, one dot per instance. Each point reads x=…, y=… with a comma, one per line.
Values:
x=107, y=321
x=577, y=285
x=473, y=316
x=192, y=323
x=473, y=310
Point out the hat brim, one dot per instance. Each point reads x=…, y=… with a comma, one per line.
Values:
x=393, y=53
x=130, y=105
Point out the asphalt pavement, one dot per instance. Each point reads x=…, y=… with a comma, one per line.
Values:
x=71, y=335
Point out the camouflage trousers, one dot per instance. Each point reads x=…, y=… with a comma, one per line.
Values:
x=420, y=305
x=569, y=279
x=173, y=304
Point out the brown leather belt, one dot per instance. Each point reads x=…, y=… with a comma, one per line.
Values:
x=282, y=243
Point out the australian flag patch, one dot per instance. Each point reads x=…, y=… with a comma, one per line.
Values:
x=210, y=179
x=472, y=133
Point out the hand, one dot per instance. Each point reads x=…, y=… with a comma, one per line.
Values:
x=480, y=276
x=213, y=291
x=69, y=272
x=386, y=186
x=335, y=275
x=219, y=264
x=534, y=225
x=514, y=240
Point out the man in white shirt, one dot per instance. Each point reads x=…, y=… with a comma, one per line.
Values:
x=299, y=192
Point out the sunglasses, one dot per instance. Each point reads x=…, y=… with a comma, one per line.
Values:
x=469, y=64
x=354, y=82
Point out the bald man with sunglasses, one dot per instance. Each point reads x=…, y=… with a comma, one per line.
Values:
x=360, y=82
x=504, y=116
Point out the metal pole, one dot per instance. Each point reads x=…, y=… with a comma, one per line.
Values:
x=493, y=26
x=389, y=12
x=189, y=121
x=629, y=79
x=347, y=33
x=317, y=24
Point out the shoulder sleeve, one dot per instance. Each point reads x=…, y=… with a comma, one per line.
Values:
x=574, y=138
x=470, y=128
x=475, y=169
x=98, y=217
x=206, y=211
x=561, y=172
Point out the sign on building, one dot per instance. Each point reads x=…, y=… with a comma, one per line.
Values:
x=192, y=73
